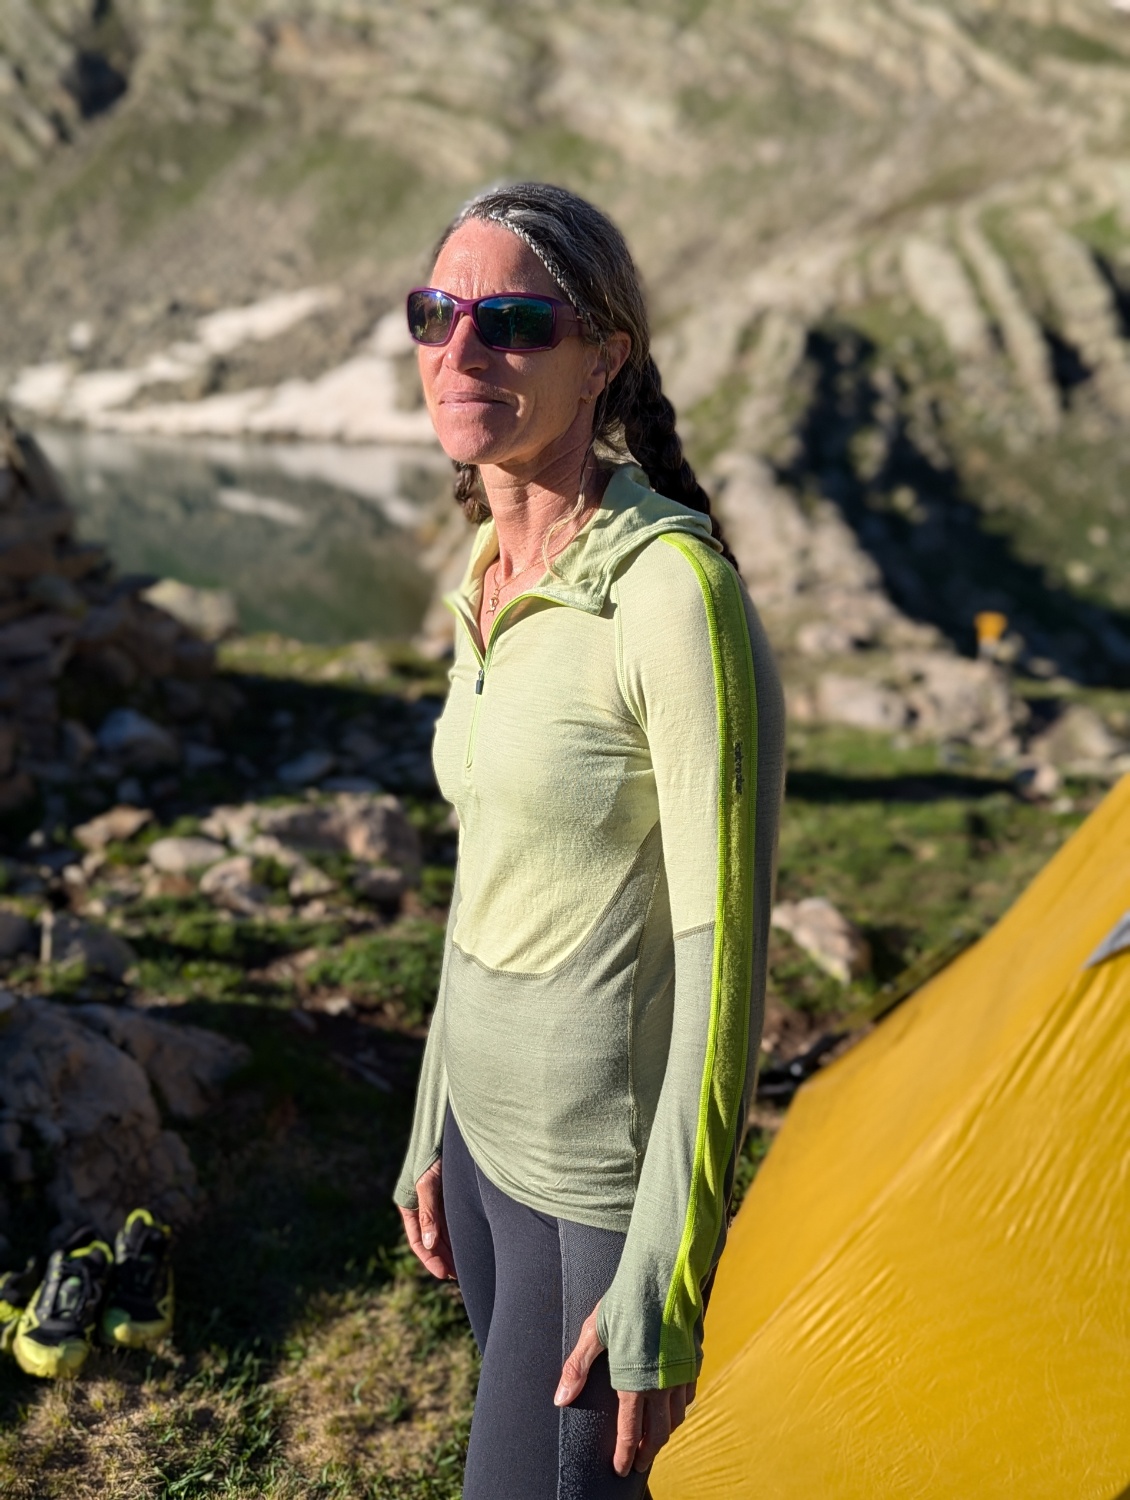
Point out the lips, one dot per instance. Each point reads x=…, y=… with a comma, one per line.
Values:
x=471, y=398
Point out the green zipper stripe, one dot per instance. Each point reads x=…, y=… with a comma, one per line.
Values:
x=724, y=1069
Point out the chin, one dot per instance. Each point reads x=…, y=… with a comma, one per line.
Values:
x=472, y=437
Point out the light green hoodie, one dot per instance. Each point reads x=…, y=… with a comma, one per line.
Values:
x=615, y=757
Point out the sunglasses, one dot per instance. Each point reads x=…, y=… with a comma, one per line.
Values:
x=510, y=320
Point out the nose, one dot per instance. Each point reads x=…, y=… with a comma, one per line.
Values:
x=465, y=350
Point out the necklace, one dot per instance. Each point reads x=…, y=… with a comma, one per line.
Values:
x=579, y=521
x=499, y=585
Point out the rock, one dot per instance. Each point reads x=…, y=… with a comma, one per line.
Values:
x=1036, y=783
x=826, y=935
x=824, y=638
x=1079, y=743
x=136, y=741
x=211, y=614
x=87, y=1106
x=67, y=940
x=231, y=824
x=232, y=884
x=370, y=828
x=181, y=856
x=939, y=286
x=954, y=698
x=202, y=757
x=17, y=933
x=186, y=1064
x=859, y=703
x=309, y=881
x=307, y=768
x=381, y=884
x=118, y=825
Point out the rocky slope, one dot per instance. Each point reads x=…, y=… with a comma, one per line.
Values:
x=888, y=245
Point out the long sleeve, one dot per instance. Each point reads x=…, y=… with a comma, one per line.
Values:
x=698, y=675
x=426, y=1140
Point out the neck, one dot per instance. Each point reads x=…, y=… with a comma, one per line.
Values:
x=527, y=500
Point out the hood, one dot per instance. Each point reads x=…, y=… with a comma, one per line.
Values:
x=630, y=514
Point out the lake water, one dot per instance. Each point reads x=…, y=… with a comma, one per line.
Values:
x=317, y=541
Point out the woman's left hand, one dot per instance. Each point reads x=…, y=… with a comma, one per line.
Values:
x=647, y=1418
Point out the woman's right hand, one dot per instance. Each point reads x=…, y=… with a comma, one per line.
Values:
x=426, y=1226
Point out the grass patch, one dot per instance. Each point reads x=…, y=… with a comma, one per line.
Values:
x=311, y=1357
x=400, y=967
x=150, y=173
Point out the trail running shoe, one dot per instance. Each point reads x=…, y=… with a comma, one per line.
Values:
x=16, y=1288
x=55, y=1329
x=139, y=1310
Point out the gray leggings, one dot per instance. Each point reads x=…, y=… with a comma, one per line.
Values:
x=529, y=1281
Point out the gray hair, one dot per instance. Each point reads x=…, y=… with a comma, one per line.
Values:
x=589, y=259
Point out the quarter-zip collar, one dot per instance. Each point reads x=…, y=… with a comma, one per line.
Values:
x=630, y=514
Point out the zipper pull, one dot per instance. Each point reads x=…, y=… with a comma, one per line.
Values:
x=479, y=680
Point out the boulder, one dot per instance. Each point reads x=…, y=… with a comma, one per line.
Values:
x=859, y=703
x=954, y=698
x=72, y=1099
x=231, y=883
x=307, y=768
x=212, y=614
x=67, y=940
x=186, y=1064
x=182, y=856
x=380, y=883
x=826, y=935
x=373, y=828
x=136, y=741
x=1079, y=742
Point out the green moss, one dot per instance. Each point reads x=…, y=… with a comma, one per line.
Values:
x=436, y=885
x=368, y=196
x=1104, y=233
x=400, y=967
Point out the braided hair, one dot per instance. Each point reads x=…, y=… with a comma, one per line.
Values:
x=589, y=259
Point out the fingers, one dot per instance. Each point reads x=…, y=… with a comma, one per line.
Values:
x=427, y=1258
x=426, y=1227
x=575, y=1370
x=678, y=1396
x=429, y=1194
x=656, y=1428
x=629, y=1431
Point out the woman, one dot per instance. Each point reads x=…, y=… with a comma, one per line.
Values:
x=612, y=744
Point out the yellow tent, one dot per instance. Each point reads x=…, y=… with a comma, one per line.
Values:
x=927, y=1292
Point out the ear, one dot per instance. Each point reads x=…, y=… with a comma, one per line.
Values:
x=608, y=363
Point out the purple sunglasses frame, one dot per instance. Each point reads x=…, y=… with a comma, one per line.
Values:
x=467, y=307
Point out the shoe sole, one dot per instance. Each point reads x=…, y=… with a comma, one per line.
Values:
x=50, y=1361
x=119, y=1328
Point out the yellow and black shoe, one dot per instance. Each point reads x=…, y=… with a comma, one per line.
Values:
x=139, y=1310
x=16, y=1288
x=56, y=1327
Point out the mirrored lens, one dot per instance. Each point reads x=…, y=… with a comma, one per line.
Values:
x=515, y=322
x=430, y=316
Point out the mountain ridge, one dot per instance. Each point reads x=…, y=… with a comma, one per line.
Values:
x=888, y=250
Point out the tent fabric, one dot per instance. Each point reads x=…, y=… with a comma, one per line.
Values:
x=927, y=1291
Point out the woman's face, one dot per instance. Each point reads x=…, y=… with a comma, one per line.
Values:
x=507, y=408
